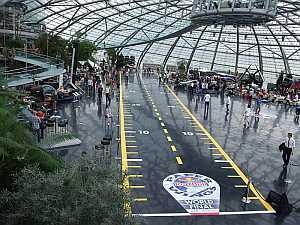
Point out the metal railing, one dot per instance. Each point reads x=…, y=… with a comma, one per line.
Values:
x=39, y=64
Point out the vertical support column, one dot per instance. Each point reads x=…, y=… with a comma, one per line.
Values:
x=216, y=50
x=237, y=50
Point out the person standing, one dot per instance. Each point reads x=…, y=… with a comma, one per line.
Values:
x=107, y=95
x=258, y=103
x=100, y=90
x=247, y=116
x=290, y=145
x=206, y=103
x=228, y=102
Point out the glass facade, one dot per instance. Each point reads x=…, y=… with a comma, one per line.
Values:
x=162, y=32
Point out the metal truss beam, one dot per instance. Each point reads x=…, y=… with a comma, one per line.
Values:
x=285, y=60
x=146, y=49
x=260, y=59
x=97, y=41
x=216, y=49
x=170, y=52
x=194, y=50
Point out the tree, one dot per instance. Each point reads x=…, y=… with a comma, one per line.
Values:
x=17, y=146
x=112, y=55
x=86, y=50
x=15, y=43
x=120, y=61
x=71, y=196
x=54, y=46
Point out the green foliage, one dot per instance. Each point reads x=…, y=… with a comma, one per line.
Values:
x=17, y=146
x=86, y=50
x=112, y=55
x=120, y=61
x=55, y=46
x=70, y=196
x=15, y=43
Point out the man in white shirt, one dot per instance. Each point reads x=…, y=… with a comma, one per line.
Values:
x=206, y=103
x=290, y=145
x=247, y=117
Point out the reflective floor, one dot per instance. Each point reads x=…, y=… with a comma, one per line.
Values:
x=167, y=133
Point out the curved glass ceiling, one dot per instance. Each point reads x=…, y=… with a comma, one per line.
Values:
x=160, y=32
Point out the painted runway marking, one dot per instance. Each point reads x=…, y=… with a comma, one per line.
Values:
x=173, y=148
x=135, y=167
x=132, y=153
x=179, y=161
x=162, y=124
x=188, y=214
x=124, y=166
x=130, y=141
x=234, y=176
x=166, y=131
x=225, y=155
x=131, y=146
x=169, y=138
x=221, y=161
x=130, y=131
x=240, y=186
x=140, y=199
x=134, y=160
x=227, y=167
x=136, y=187
x=135, y=176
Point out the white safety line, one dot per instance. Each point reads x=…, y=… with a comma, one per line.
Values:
x=188, y=214
x=130, y=131
x=134, y=160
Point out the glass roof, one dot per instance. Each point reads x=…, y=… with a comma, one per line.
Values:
x=160, y=32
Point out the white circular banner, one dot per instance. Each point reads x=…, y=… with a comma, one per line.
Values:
x=197, y=194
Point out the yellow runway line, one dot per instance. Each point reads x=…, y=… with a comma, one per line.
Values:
x=136, y=187
x=225, y=155
x=179, y=161
x=173, y=148
x=140, y=199
x=135, y=176
x=123, y=147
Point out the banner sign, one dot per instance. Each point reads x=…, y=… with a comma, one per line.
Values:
x=197, y=194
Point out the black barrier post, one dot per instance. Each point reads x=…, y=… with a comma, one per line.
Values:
x=245, y=198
